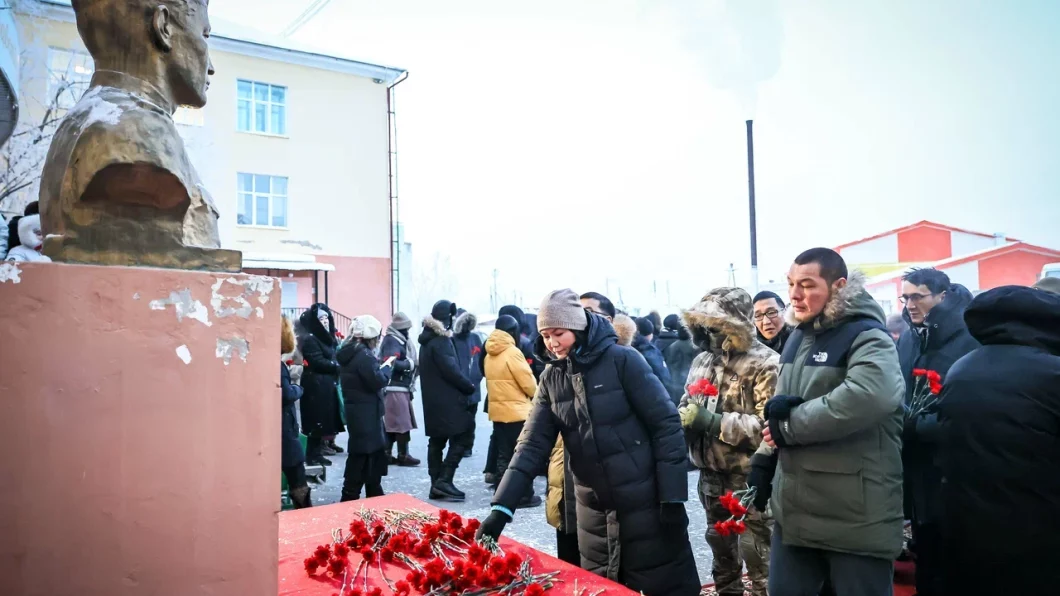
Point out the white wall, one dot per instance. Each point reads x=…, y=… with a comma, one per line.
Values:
x=887, y=296
x=880, y=250
x=967, y=275
x=962, y=244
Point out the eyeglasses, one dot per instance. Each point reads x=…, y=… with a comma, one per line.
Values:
x=771, y=314
x=907, y=298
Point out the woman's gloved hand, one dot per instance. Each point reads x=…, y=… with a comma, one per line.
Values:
x=763, y=468
x=493, y=525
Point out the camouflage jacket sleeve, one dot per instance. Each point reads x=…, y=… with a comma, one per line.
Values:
x=745, y=430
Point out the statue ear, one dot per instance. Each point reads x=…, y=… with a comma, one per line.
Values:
x=162, y=28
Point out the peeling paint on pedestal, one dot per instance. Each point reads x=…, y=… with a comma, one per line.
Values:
x=185, y=306
x=9, y=272
x=184, y=354
x=252, y=287
x=232, y=346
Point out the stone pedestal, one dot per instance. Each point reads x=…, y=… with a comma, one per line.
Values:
x=140, y=431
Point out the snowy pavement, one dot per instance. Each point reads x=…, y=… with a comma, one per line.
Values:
x=529, y=525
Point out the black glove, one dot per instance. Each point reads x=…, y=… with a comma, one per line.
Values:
x=780, y=407
x=493, y=525
x=673, y=517
x=763, y=468
x=775, y=434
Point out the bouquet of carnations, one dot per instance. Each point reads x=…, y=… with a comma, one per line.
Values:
x=736, y=503
x=927, y=385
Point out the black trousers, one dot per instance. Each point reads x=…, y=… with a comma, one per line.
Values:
x=491, y=455
x=567, y=548
x=295, y=476
x=437, y=455
x=507, y=435
x=364, y=471
x=930, y=566
x=801, y=571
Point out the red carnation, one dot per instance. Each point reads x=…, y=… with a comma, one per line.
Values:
x=289, y=362
x=335, y=566
x=530, y=361
x=305, y=363
x=934, y=376
x=475, y=350
x=341, y=550
x=534, y=590
x=513, y=562
x=311, y=565
x=376, y=591
x=402, y=588
x=356, y=592
x=920, y=372
x=387, y=555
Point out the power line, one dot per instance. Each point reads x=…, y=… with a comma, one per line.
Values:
x=306, y=16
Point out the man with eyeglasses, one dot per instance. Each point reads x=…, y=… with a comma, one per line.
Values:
x=769, y=321
x=936, y=338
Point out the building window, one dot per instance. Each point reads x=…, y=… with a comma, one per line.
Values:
x=69, y=73
x=261, y=108
x=262, y=200
x=189, y=117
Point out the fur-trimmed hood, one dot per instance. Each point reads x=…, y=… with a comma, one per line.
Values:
x=432, y=328
x=625, y=328
x=465, y=323
x=727, y=310
x=852, y=300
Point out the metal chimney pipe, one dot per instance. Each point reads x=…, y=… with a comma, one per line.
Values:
x=751, y=199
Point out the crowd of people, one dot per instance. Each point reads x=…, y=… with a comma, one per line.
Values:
x=841, y=425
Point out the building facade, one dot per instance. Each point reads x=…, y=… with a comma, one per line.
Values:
x=976, y=260
x=293, y=144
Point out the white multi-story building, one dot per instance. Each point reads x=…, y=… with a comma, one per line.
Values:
x=295, y=146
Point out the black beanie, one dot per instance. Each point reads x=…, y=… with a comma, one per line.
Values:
x=645, y=327
x=509, y=325
x=516, y=313
x=672, y=322
x=443, y=312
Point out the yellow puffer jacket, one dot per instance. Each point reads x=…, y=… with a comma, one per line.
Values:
x=509, y=381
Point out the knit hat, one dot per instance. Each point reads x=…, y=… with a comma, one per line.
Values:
x=509, y=325
x=645, y=327
x=672, y=322
x=1049, y=284
x=401, y=322
x=444, y=312
x=561, y=309
x=365, y=327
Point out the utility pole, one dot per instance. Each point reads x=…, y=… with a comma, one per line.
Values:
x=493, y=293
x=751, y=201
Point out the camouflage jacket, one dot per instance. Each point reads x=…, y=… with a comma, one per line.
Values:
x=743, y=370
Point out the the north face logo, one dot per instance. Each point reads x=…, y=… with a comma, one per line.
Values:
x=820, y=357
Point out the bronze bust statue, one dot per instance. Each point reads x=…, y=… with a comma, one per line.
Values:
x=117, y=187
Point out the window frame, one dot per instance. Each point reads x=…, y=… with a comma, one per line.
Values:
x=254, y=193
x=253, y=102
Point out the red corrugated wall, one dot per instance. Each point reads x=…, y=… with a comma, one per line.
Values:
x=924, y=244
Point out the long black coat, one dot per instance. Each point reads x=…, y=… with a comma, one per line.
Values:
x=291, y=452
x=403, y=372
x=665, y=338
x=654, y=357
x=627, y=454
x=469, y=353
x=679, y=357
x=446, y=388
x=999, y=440
x=362, y=388
x=320, y=401
x=943, y=340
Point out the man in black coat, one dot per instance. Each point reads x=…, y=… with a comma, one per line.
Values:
x=446, y=397
x=669, y=334
x=999, y=431
x=626, y=451
x=320, y=405
x=935, y=338
x=470, y=357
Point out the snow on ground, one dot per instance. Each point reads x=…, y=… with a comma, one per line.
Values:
x=529, y=525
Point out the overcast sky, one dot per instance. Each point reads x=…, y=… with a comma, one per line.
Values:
x=568, y=143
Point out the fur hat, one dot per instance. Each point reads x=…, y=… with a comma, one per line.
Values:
x=561, y=309
x=365, y=327
x=444, y=312
x=645, y=327
x=509, y=325
x=1049, y=284
x=401, y=322
x=728, y=311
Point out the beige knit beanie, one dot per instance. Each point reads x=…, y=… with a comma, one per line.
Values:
x=561, y=309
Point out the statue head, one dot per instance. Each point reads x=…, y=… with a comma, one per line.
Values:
x=163, y=42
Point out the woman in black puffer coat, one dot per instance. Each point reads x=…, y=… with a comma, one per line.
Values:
x=292, y=458
x=626, y=448
x=363, y=381
x=320, y=401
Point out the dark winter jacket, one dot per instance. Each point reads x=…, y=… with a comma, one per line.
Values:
x=396, y=344
x=942, y=340
x=362, y=388
x=679, y=357
x=291, y=453
x=664, y=339
x=838, y=484
x=469, y=353
x=999, y=432
x=627, y=454
x=320, y=402
x=779, y=340
x=654, y=358
x=528, y=332
x=446, y=388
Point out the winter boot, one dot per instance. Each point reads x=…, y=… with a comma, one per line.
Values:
x=443, y=488
x=404, y=459
x=335, y=447
x=300, y=497
x=390, y=450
